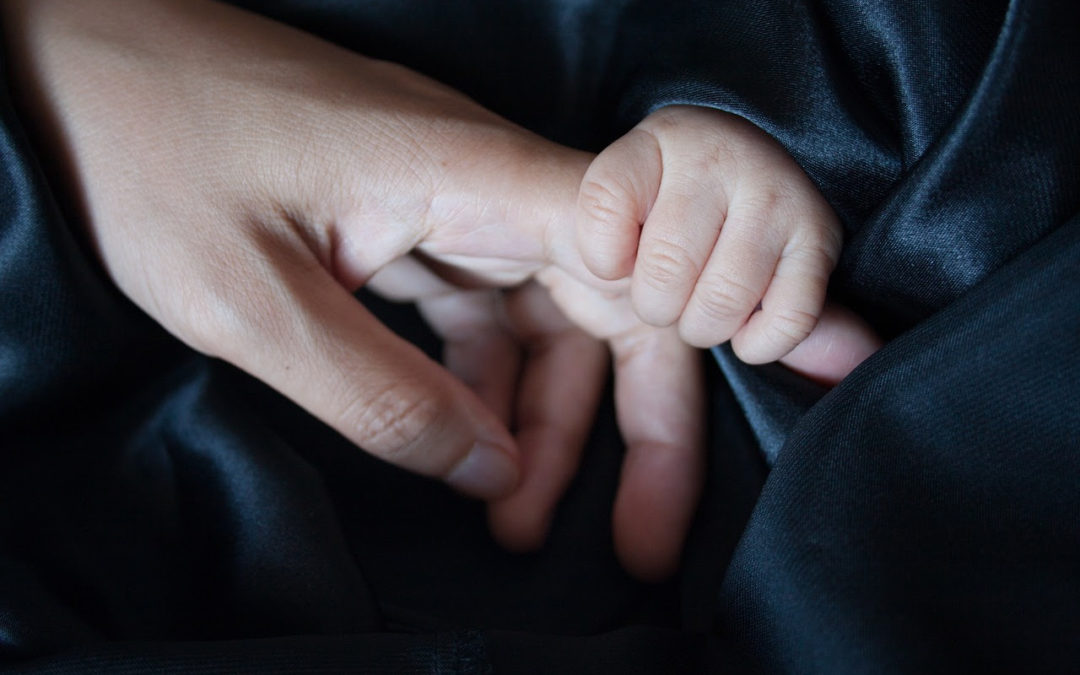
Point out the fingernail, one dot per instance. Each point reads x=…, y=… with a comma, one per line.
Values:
x=486, y=472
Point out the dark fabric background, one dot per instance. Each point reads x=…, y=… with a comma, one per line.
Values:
x=161, y=512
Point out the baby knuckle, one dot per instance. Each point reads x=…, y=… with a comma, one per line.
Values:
x=827, y=248
x=819, y=247
x=724, y=299
x=791, y=326
x=751, y=225
x=831, y=232
x=602, y=202
x=668, y=266
x=768, y=203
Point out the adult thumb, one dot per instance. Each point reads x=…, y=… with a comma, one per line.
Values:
x=314, y=342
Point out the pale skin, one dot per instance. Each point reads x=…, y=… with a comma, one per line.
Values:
x=240, y=179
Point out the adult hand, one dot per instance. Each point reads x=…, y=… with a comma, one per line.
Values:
x=241, y=179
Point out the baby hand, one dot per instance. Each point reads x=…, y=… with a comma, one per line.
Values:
x=719, y=229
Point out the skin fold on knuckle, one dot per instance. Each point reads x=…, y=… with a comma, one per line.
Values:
x=788, y=327
x=401, y=424
x=782, y=332
x=716, y=310
x=825, y=247
x=818, y=239
x=721, y=300
x=606, y=232
x=809, y=265
x=759, y=212
x=667, y=267
x=605, y=205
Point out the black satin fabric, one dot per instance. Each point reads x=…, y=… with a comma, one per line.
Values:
x=162, y=512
